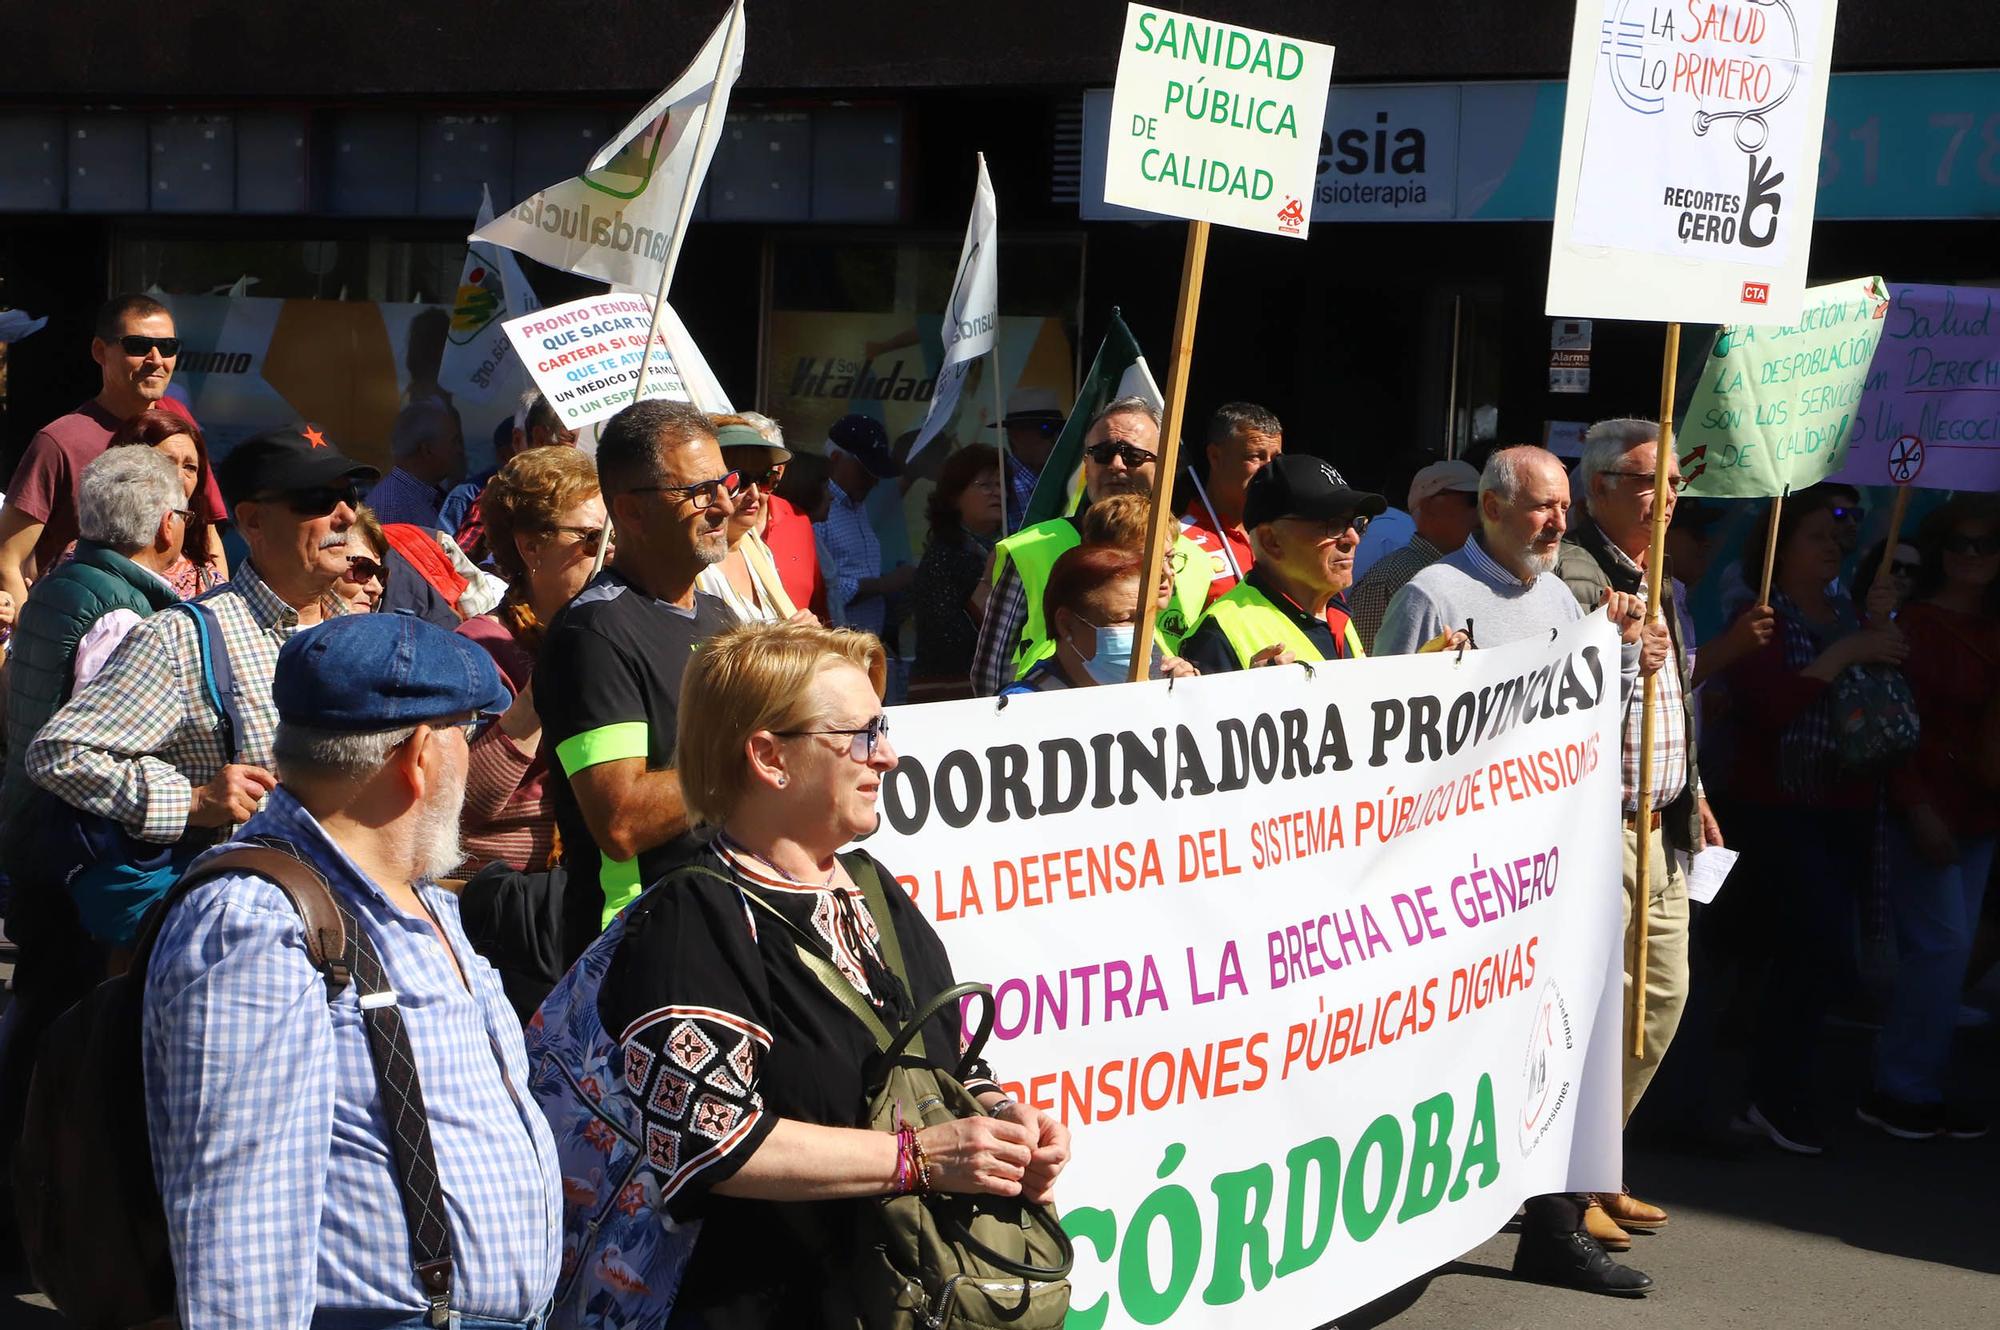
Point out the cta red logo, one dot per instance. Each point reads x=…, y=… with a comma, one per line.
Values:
x=1292, y=216
x=1756, y=293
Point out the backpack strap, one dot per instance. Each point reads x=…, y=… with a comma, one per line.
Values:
x=341, y=949
x=218, y=675
x=862, y=870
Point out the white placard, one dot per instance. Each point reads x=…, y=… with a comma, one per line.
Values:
x=1216, y=122
x=1690, y=160
x=585, y=355
x=1322, y=969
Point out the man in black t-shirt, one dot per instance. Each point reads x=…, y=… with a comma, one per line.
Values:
x=608, y=680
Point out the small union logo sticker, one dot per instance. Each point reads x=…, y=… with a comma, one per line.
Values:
x=1756, y=293
x=1292, y=216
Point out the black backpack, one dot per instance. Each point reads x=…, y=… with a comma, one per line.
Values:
x=92, y=1224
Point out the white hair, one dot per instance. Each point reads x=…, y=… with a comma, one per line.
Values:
x=1134, y=405
x=1607, y=442
x=123, y=496
x=304, y=750
x=1506, y=467
x=765, y=426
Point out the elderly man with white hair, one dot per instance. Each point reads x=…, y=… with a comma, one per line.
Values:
x=1501, y=586
x=427, y=445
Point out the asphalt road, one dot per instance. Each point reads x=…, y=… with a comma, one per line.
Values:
x=1877, y=1232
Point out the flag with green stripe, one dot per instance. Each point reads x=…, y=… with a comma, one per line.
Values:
x=1118, y=371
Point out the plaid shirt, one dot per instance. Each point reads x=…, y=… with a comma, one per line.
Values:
x=401, y=497
x=999, y=634
x=270, y=1145
x=1021, y=484
x=136, y=743
x=1670, y=754
x=856, y=554
x=1369, y=599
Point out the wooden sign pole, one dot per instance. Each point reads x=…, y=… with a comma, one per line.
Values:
x=1770, y=550
x=1656, y=583
x=1897, y=512
x=1161, y=520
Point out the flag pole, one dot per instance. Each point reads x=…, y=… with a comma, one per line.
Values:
x=710, y=126
x=999, y=404
x=1770, y=548
x=1642, y=822
x=1168, y=465
x=1897, y=512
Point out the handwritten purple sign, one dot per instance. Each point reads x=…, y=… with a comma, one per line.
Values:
x=1930, y=413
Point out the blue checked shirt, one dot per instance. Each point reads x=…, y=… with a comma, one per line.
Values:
x=401, y=497
x=137, y=741
x=1021, y=484
x=856, y=554
x=269, y=1143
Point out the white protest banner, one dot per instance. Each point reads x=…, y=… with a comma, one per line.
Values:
x=1690, y=160
x=1321, y=969
x=1216, y=122
x=1931, y=414
x=585, y=356
x=616, y=221
x=972, y=314
x=477, y=364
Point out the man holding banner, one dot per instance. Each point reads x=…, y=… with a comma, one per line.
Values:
x=1504, y=577
x=1121, y=456
x=1305, y=524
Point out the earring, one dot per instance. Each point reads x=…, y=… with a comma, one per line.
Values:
x=784, y=781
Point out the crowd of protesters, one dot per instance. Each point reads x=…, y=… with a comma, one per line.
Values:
x=557, y=733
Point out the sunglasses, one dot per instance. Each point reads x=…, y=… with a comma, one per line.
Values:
x=135, y=345
x=1846, y=514
x=866, y=738
x=1902, y=569
x=1976, y=546
x=702, y=494
x=590, y=537
x=1102, y=453
x=361, y=568
x=762, y=479
x=317, y=501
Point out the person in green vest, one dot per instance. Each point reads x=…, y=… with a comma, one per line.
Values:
x=1121, y=456
x=1305, y=523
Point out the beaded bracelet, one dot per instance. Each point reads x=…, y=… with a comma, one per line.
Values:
x=923, y=1165
x=905, y=1138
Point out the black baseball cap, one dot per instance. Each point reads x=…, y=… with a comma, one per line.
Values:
x=866, y=442
x=1295, y=485
x=286, y=461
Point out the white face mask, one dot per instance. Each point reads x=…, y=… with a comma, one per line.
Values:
x=1112, y=660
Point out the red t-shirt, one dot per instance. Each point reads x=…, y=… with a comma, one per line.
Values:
x=789, y=534
x=1197, y=527
x=45, y=482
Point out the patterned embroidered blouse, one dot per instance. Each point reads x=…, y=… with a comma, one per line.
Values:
x=669, y=1052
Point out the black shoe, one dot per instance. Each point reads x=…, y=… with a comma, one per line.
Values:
x=1960, y=1123
x=1787, y=1129
x=1573, y=1260
x=1900, y=1118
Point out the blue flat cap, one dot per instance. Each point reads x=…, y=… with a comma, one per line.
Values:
x=363, y=672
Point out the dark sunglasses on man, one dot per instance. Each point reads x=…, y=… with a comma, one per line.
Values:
x=1102, y=453
x=1848, y=512
x=135, y=345
x=317, y=501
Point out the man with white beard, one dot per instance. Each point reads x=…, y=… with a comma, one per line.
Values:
x=1500, y=587
x=281, y=1105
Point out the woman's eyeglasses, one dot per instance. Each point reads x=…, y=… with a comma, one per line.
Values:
x=362, y=569
x=1976, y=546
x=866, y=738
x=765, y=478
x=702, y=494
x=589, y=537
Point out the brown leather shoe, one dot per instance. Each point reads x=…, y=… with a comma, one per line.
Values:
x=1599, y=1225
x=1628, y=1211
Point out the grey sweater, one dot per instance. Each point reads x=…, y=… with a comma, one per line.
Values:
x=1466, y=589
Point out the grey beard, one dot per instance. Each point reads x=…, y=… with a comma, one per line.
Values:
x=1540, y=564
x=438, y=847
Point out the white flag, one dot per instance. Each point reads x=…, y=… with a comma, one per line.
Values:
x=478, y=364
x=972, y=315
x=615, y=222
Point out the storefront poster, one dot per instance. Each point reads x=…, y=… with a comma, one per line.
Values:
x=1690, y=162
x=1321, y=969
x=1778, y=405
x=249, y=364
x=1931, y=414
x=1216, y=122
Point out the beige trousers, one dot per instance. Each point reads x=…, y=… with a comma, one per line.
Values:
x=1666, y=976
